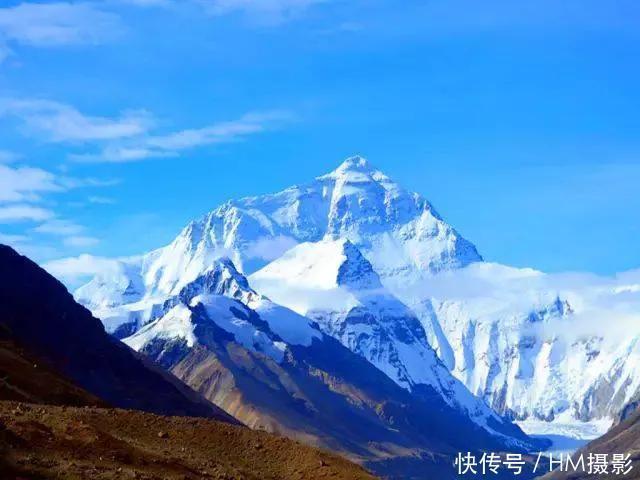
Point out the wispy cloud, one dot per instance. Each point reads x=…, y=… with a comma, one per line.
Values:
x=71, y=232
x=25, y=183
x=171, y=144
x=9, y=239
x=59, y=122
x=24, y=245
x=23, y=212
x=5, y=52
x=128, y=137
x=224, y=131
x=87, y=182
x=58, y=23
x=99, y=200
x=73, y=269
x=269, y=12
x=23, y=190
x=59, y=227
x=80, y=241
x=260, y=12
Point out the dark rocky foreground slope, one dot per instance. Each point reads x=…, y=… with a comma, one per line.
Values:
x=39, y=316
x=52, y=442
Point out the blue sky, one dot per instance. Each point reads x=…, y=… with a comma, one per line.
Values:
x=121, y=120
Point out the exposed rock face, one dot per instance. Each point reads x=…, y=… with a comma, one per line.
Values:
x=274, y=369
x=40, y=316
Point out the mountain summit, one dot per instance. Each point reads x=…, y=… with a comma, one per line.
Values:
x=399, y=232
x=355, y=163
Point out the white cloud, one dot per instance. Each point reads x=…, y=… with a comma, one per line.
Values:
x=73, y=269
x=96, y=199
x=219, y=132
x=25, y=183
x=9, y=239
x=80, y=241
x=59, y=227
x=62, y=123
x=121, y=154
x=23, y=245
x=148, y=3
x=86, y=182
x=58, y=23
x=72, y=233
x=608, y=306
x=22, y=213
x=20, y=184
x=127, y=137
x=270, y=248
x=20, y=187
x=262, y=11
x=170, y=145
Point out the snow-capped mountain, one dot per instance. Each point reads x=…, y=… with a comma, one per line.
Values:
x=397, y=231
x=273, y=368
x=374, y=324
x=515, y=337
x=223, y=296
x=556, y=348
x=332, y=283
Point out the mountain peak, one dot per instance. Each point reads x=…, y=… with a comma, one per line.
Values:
x=355, y=161
x=355, y=164
x=222, y=278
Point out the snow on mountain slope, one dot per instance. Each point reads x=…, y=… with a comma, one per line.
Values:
x=535, y=346
x=332, y=283
x=180, y=324
x=227, y=297
x=526, y=342
x=398, y=231
x=226, y=348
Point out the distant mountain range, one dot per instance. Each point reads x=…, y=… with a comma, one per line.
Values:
x=372, y=270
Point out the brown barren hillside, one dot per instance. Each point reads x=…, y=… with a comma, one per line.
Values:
x=56, y=442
